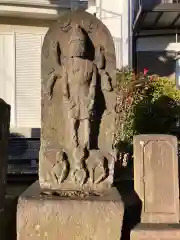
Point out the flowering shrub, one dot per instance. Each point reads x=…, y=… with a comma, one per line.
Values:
x=145, y=104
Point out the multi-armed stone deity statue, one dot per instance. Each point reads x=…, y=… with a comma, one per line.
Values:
x=78, y=107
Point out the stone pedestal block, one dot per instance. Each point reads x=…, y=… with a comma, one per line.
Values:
x=52, y=217
x=145, y=231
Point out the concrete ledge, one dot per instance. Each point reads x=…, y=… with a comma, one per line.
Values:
x=32, y=12
x=145, y=231
x=51, y=217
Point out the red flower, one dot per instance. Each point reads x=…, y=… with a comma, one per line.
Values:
x=145, y=71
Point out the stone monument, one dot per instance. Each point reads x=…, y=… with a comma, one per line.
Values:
x=4, y=136
x=74, y=198
x=157, y=184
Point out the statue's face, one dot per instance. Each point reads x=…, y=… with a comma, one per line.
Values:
x=77, y=48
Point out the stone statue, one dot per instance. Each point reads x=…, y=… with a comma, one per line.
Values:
x=79, y=78
x=74, y=197
x=78, y=106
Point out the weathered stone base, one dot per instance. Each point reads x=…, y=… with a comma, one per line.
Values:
x=52, y=217
x=145, y=231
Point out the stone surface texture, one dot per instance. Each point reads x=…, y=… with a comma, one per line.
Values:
x=78, y=105
x=156, y=177
x=4, y=136
x=52, y=217
x=156, y=232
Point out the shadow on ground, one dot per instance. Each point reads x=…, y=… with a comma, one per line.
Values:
x=133, y=206
x=14, y=190
x=9, y=218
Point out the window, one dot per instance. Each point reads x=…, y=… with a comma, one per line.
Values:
x=20, y=77
x=28, y=80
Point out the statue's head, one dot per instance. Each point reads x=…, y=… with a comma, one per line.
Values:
x=77, y=42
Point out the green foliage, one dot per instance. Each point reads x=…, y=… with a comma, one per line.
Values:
x=145, y=104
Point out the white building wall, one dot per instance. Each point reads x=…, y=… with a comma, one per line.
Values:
x=47, y=3
x=7, y=78
x=20, y=75
x=115, y=15
x=34, y=2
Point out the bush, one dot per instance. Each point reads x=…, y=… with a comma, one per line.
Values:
x=145, y=104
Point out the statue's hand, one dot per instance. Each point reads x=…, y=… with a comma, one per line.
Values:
x=70, y=102
x=49, y=94
x=90, y=105
x=106, y=82
x=66, y=95
x=50, y=85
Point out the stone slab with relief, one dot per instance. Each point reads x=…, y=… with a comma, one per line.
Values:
x=78, y=105
x=156, y=177
x=156, y=183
